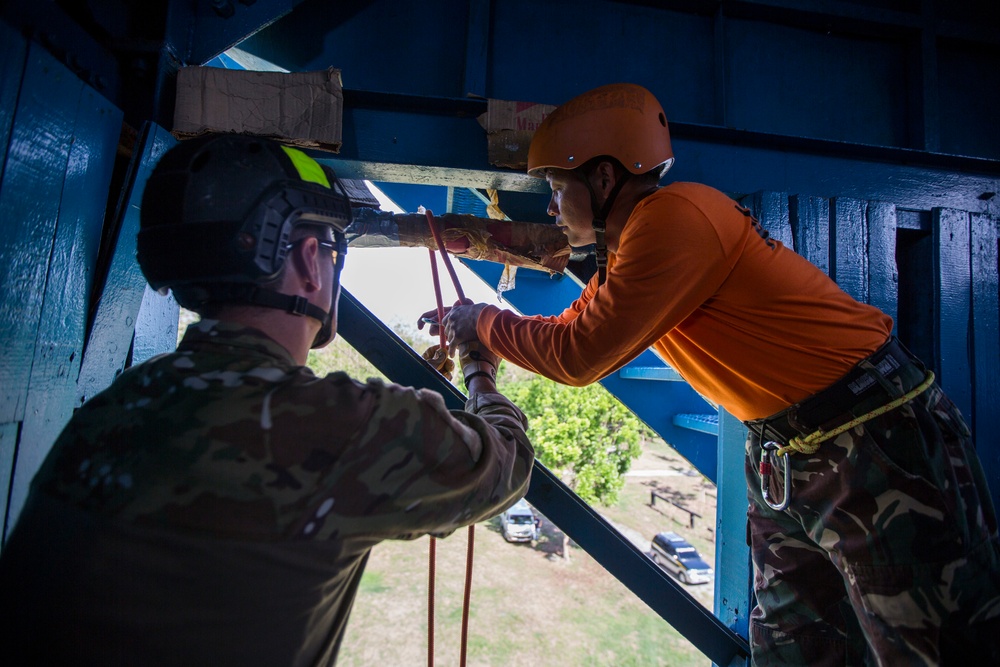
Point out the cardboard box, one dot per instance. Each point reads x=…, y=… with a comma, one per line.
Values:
x=300, y=108
x=509, y=127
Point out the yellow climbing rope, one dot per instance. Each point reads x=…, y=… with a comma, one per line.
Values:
x=810, y=443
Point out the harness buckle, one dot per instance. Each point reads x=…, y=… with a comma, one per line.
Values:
x=767, y=463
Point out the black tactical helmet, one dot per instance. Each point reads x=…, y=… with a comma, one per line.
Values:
x=217, y=216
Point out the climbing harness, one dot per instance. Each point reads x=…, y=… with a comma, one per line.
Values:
x=441, y=357
x=771, y=450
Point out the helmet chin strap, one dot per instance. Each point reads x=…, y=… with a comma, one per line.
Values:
x=600, y=222
x=292, y=304
x=325, y=334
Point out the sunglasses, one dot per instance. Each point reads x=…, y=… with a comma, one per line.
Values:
x=332, y=247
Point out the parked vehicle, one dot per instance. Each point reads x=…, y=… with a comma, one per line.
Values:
x=675, y=555
x=519, y=523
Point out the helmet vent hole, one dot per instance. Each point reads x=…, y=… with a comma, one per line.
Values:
x=200, y=161
x=663, y=119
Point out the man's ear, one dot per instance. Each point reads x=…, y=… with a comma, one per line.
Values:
x=305, y=265
x=605, y=178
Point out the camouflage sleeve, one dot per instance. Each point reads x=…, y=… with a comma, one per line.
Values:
x=421, y=468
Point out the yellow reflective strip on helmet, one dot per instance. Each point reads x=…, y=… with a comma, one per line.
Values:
x=309, y=170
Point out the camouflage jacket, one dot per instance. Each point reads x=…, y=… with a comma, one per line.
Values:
x=265, y=484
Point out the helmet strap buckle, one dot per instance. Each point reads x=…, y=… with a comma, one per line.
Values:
x=298, y=305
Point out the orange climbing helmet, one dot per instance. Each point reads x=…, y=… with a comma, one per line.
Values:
x=622, y=120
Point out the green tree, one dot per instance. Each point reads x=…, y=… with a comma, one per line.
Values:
x=584, y=435
x=340, y=356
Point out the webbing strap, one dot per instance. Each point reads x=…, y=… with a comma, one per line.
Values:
x=810, y=443
x=600, y=222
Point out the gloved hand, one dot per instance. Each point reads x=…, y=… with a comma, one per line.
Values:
x=459, y=322
x=475, y=359
x=440, y=359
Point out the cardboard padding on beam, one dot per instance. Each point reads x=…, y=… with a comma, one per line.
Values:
x=298, y=108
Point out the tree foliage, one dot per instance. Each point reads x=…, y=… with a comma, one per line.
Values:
x=584, y=435
x=340, y=356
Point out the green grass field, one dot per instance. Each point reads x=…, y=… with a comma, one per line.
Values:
x=529, y=605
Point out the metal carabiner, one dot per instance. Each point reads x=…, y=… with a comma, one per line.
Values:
x=766, y=468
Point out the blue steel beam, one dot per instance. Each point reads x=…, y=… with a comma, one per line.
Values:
x=199, y=31
x=659, y=373
x=924, y=79
x=435, y=148
x=401, y=364
x=476, y=48
x=702, y=423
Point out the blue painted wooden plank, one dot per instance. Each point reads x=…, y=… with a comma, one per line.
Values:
x=849, y=261
x=810, y=222
x=771, y=210
x=986, y=346
x=155, y=326
x=8, y=450
x=29, y=207
x=92, y=135
x=953, y=300
x=477, y=42
x=118, y=305
x=883, y=275
x=733, y=583
x=13, y=52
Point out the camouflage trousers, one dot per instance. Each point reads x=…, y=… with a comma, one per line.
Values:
x=888, y=552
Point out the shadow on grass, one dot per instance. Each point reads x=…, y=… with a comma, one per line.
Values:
x=549, y=543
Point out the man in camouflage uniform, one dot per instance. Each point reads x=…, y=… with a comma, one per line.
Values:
x=217, y=505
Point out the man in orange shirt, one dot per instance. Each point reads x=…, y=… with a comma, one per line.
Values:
x=885, y=549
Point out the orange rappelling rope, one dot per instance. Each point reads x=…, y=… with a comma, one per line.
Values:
x=430, y=604
x=472, y=528
x=444, y=255
x=440, y=304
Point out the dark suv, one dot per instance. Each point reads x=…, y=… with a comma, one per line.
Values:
x=673, y=553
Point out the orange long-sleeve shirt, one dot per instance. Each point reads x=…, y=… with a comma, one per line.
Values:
x=746, y=322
